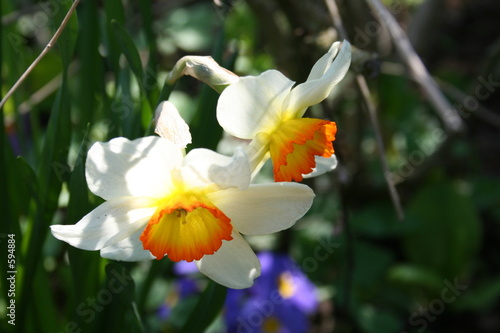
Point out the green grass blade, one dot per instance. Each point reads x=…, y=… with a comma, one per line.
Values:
x=207, y=309
x=90, y=77
x=67, y=39
x=114, y=12
x=129, y=50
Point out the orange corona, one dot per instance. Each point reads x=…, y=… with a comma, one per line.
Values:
x=295, y=143
x=186, y=227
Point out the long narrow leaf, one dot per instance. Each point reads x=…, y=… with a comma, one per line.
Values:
x=129, y=50
x=208, y=308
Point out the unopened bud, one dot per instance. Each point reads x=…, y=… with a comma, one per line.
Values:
x=205, y=69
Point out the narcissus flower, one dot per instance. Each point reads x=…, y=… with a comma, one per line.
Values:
x=268, y=110
x=194, y=207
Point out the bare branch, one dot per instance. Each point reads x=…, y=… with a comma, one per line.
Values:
x=448, y=114
x=480, y=111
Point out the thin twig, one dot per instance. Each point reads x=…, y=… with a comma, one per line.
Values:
x=372, y=111
x=448, y=114
x=479, y=111
x=455, y=94
x=42, y=54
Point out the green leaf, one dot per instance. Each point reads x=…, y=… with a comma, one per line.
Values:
x=208, y=308
x=375, y=320
x=117, y=274
x=415, y=277
x=205, y=129
x=29, y=180
x=447, y=233
x=19, y=185
x=91, y=76
x=78, y=205
x=67, y=39
x=151, y=75
x=486, y=192
x=114, y=12
x=132, y=54
x=181, y=311
x=53, y=169
x=482, y=296
x=371, y=263
x=157, y=268
x=129, y=50
x=377, y=220
x=165, y=92
x=53, y=166
x=43, y=302
x=146, y=9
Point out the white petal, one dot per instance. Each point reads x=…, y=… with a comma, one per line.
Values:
x=264, y=208
x=258, y=152
x=234, y=265
x=228, y=143
x=129, y=249
x=323, y=165
x=131, y=168
x=111, y=222
x=204, y=167
x=314, y=91
x=324, y=62
x=253, y=104
x=171, y=126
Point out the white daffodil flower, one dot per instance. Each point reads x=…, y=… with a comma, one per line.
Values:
x=268, y=110
x=194, y=207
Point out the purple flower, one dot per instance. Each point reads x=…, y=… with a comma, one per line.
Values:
x=185, y=268
x=279, y=301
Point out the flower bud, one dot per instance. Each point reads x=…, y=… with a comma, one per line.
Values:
x=205, y=69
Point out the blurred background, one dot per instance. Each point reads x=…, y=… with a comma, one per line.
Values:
x=422, y=257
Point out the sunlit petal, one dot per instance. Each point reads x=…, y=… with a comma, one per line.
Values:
x=203, y=167
x=109, y=223
x=264, y=208
x=128, y=249
x=234, y=265
x=171, y=126
x=253, y=104
x=140, y=167
x=323, y=63
x=314, y=91
x=323, y=165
